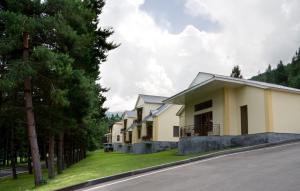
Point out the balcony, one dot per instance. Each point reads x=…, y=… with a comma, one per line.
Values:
x=208, y=129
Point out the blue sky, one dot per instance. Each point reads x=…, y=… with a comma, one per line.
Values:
x=176, y=15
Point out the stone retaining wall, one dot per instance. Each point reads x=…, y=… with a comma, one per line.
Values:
x=197, y=144
x=145, y=147
x=124, y=148
x=153, y=146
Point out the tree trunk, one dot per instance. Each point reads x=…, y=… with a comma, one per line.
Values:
x=29, y=166
x=6, y=150
x=60, y=153
x=35, y=155
x=51, y=172
x=13, y=154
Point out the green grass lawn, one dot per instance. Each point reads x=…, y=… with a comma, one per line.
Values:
x=97, y=164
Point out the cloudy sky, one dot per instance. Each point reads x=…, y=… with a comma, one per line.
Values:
x=165, y=43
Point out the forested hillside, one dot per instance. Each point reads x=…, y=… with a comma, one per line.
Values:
x=287, y=75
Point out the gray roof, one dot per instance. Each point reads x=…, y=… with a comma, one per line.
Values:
x=133, y=125
x=255, y=83
x=161, y=109
x=156, y=112
x=152, y=98
x=130, y=114
x=205, y=78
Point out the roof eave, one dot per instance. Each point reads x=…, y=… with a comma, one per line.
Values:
x=188, y=90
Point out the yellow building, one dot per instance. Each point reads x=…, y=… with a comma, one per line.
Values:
x=155, y=120
x=221, y=105
x=115, y=134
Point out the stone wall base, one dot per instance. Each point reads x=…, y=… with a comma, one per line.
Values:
x=145, y=147
x=197, y=144
x=124, y=148
x=153, y=146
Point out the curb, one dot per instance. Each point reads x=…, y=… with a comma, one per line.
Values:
x=167, y=165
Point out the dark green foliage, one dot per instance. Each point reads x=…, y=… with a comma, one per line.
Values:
x=66, y=47
x=287, y=75
x=236, y=72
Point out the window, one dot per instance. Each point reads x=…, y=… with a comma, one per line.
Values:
x=203, y=105
x=125, y=123
x=176, y=131
x=139, y=114
x=118, y=137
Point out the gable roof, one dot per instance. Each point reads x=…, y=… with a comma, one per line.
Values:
x=152, y=99
x=117, y=124
x=160, y=110
x=156, y=112
x=130, y=114
x=205, y=78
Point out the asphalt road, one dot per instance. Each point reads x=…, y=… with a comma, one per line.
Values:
x=8, y=172
x=268, y=169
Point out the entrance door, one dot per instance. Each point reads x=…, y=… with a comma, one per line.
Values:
x=149, y=132
x=244, y=120
x=203, y=124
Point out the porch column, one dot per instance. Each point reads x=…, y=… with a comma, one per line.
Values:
x=155, y=129
x=268, y=110
x=226, y=112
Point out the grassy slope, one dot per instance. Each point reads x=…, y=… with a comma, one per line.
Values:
x=97, y=164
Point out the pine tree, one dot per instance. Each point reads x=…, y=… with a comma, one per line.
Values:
x=236, y=72
x=57, y=47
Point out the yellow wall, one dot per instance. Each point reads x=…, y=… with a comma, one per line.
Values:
x=226, y=109
x=254, y=98
x=146, y=111
x=165, y=123
x=269, y=111
x=134, y=136
x=147, y=107
x=286, y=112
x=182, y=119
x=129, y=121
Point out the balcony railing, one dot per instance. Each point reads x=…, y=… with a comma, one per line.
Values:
x=207, y=129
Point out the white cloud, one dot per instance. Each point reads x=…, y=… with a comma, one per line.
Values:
x=151, y=60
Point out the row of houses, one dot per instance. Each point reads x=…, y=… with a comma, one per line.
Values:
x=213, y=108
x=150, y=122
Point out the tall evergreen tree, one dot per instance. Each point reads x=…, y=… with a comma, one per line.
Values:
x=236, y=72
x=55, y=47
